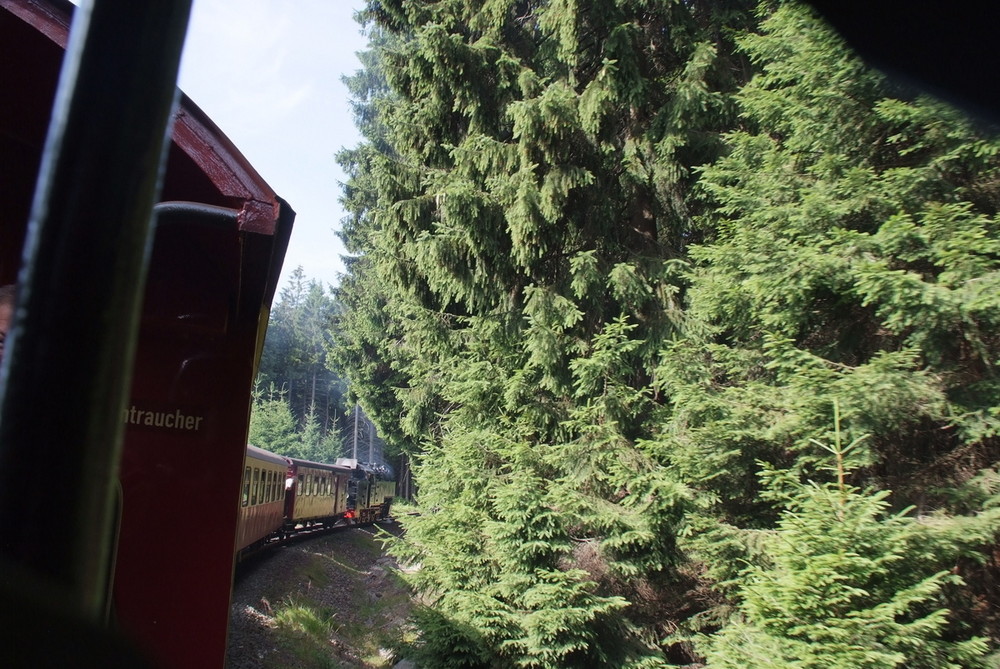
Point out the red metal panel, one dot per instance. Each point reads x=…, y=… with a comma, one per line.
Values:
x=182, y=485
x=46, y=19
x=29, y=70
x=207, y=301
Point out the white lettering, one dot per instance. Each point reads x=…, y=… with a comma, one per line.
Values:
x=171, y=420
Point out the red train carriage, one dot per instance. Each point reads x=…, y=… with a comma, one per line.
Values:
x=316, y=493
x=262, y=504
x=212, y=277
x=216, y=252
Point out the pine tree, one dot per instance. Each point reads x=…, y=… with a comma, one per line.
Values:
x=517, y=214
x=613, y=261
x=272, y=425
x=838, y=264
x=843, y=583
x=295, y=351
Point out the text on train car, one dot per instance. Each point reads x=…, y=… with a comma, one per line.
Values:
x=171, y=420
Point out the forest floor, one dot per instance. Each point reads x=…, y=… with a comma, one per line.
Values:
x=332, y=602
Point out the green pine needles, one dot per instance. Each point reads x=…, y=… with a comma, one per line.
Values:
x=842, y=582
x=612, y=262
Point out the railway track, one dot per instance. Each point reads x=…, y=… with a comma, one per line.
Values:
x=300, y=534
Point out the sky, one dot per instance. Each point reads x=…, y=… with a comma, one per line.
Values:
x=268, y=73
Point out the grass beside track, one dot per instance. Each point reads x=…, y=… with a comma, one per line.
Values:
x=338, y=604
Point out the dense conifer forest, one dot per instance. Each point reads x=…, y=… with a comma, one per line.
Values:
x=301, y=407
x=690, y=323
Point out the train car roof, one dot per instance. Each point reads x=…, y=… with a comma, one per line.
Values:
x=267, y=456
x=299, y=462
x=203, y=165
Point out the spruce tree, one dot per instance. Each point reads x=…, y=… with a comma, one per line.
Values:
x=842, y=586
x=295, y=351
x=611, y=265
x=272, y=425
x=849, y=257
x=851, y=252
x=518, y=213
x=844, y=583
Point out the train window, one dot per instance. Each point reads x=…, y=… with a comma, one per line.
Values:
x=256, y=486
x=302, y=489
x=267, y=487
x=274, y=486
x=246, y=487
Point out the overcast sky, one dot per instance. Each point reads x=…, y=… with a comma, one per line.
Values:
x=268, y=73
